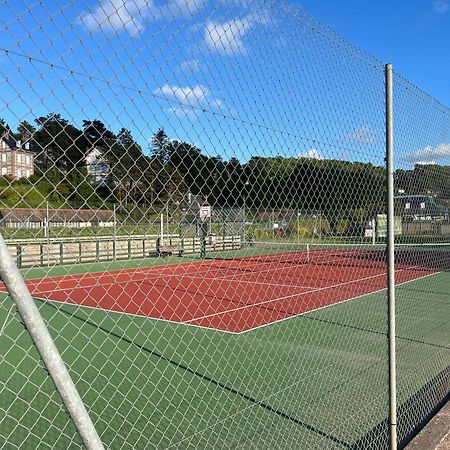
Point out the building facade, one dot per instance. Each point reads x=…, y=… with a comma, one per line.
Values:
x=62, y=217
x=97, y=167
x=419, y=208
x=16, y=157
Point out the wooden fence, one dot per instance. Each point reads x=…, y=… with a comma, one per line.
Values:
x=77, y=251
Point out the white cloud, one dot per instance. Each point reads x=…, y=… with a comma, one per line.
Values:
x=184, y=8
x=199, y=96
x=228, y=37
x=441, y=6
x=311, y=154
x=117, y=15
x=189, y=66
x=131, y=15
x=362, y=135
x=429, y=154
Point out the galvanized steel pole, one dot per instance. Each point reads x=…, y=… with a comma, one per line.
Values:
x=29, y=313
x=390, y=258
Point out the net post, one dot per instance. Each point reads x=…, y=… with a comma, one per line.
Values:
x=390, y=258
x=374, y=231
x=41, y=338
x=161, y=241
x=203, y=234
x=114, y=243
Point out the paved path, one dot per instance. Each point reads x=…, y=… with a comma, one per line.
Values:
x=436, y=435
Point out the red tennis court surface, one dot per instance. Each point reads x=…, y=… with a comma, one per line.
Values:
x=233, y=296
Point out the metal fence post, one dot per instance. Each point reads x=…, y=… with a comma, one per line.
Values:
x=19, y=255
x=390, y=258
x=37, y=329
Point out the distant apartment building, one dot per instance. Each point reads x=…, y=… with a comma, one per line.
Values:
x=16, y=157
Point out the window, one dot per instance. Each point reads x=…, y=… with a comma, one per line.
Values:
x=28, y=173
x=4, y=171
x=422, y=205
x=19, y=158
x=27, y=159
x=408, y=206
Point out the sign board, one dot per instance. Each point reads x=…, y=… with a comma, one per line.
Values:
x=275, y=225
x=382, y=225
x=205, y=212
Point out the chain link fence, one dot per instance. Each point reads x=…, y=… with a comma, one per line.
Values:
x=194, y=221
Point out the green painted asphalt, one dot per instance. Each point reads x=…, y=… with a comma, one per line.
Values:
x=314, y=381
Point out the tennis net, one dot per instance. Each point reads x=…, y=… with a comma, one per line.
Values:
x=428, y=256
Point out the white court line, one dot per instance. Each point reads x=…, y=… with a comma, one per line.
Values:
x=264, y=302
x=123, y=313
x=286, y=272
x=194, y=263
x=188, y=324
x=197, y=273
x=273, y=283
x=149, y=279
x=299, y=294
x=157, y=276
x=334, y=304
x=190, y=275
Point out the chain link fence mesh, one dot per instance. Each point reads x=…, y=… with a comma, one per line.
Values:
x=422, y=186
x=195, y=194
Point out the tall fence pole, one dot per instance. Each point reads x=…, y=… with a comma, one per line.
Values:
x=390, y=258
x=29, y=313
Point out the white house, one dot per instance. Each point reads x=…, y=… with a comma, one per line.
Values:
x=96, y=166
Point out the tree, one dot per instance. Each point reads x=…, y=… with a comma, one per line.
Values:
x=128, y=163
x=97, y=135
x=63, y=145
x=160, y=146
x=25, y=131
x=4, y=127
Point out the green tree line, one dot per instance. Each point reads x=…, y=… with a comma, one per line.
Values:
x=168, y=169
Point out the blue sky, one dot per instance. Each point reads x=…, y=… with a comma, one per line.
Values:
x=414, y=35
x=236, y=78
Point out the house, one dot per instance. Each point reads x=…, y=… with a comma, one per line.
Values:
x=96, y=166
x=45, y=218
x=419, y=208
x=16, y=157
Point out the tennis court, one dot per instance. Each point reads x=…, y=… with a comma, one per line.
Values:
x=181, y=393
x=235, y=292
x=234, y=225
